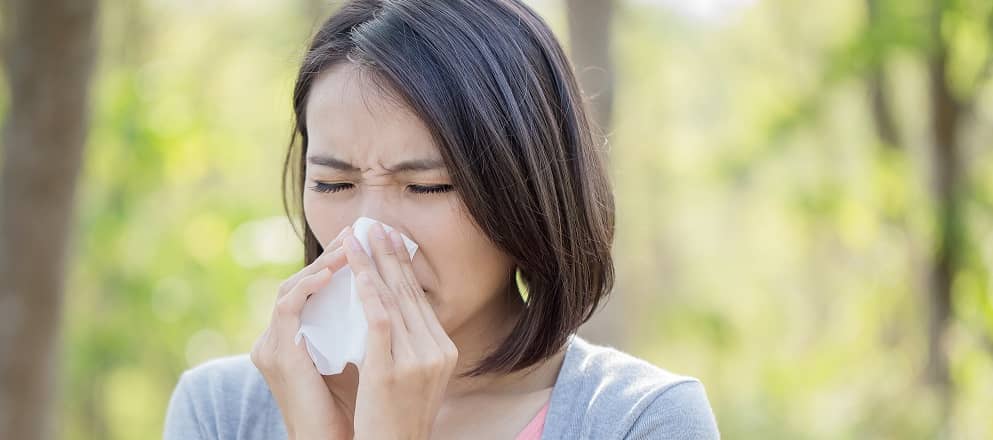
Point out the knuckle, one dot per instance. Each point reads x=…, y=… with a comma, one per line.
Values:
x=407, y=370
x=308, y=284
x=284, y=308
x=379, y=323
x=286, y=285
x=389, y=302
x=390, y=377
x=305, y=284
x=428, y=369
x=451, y=351
x=326, y=259
x=446, y=360
x=391, y=284
x=362, y=263
x=313, y=279
x=260, y=359
x=401, y=287
x=432, y=362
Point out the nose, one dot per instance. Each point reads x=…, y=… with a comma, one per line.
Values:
x=378, y=204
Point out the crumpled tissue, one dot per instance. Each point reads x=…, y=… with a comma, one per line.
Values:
x=333, y=323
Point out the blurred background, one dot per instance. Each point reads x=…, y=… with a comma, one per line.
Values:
x=804, y=218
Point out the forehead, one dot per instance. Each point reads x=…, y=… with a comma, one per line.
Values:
x=351, y=116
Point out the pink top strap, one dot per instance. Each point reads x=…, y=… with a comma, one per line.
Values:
x=534, y=428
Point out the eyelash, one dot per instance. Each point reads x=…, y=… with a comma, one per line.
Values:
x=416, y=189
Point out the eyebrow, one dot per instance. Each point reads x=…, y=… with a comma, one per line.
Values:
x=402, y=167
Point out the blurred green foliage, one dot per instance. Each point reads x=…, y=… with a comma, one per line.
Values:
x=768, y=241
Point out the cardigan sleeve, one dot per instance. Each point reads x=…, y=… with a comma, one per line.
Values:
x=681, y=411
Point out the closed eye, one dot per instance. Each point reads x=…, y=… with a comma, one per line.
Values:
x=330, y=187
x=432, y=189
x=416, y=189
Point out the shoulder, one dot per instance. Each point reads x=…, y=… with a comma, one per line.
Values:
x=223, y=398
x=603, y=392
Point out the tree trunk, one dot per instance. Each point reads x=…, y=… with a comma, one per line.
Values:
x=589, y=41
x=49, y=53
x=946, y=179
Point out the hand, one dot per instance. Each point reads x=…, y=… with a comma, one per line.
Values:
x=409, y=357
x=309, y=409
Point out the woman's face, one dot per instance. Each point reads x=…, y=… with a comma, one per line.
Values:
x=369, y=156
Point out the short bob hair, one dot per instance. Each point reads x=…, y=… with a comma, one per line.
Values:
x=492, y=84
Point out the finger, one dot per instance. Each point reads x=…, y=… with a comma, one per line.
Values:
x=378, y=341
x=336, y=243
x=411, y=290
x=387, y=263
x=332, y=261
x=426, y=311
x=400, y=343
x=286, y=314
x=400, y=289
x=434, y=329
x=389, y=296
x=332, y=257
x=358, y=259
x=405, y=261
x=363, y=265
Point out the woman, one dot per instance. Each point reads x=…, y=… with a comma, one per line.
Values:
x=460, y=124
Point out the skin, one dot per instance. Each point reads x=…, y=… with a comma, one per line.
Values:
x=430, y=317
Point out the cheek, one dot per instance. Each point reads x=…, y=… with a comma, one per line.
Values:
x=322, y=219
x=470, y=269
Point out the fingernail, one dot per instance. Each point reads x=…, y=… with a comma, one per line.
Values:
x=379, y=232
x=397, y=240
x=352, y=243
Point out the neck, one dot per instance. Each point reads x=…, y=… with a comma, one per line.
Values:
x=477, y=338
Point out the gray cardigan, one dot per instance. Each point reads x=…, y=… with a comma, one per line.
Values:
x=600, y=393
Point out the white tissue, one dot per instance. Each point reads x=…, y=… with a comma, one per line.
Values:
x=333, y=323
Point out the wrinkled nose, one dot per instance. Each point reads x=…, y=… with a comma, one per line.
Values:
x=378, y=205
